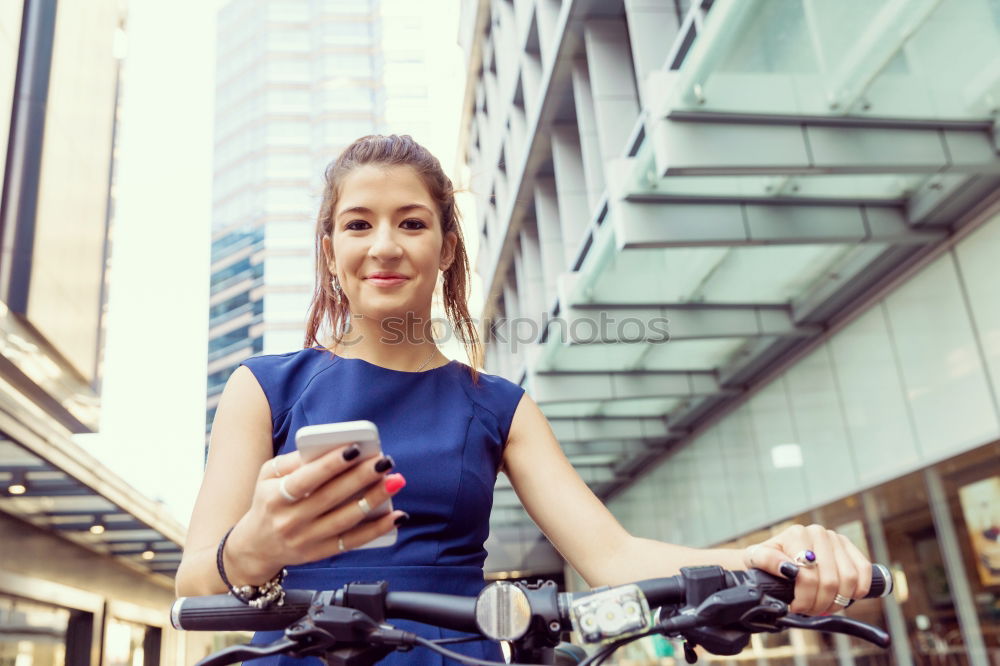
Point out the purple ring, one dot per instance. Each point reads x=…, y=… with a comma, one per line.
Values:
x=805, y=558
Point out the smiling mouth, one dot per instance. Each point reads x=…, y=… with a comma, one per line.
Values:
x=386, y=281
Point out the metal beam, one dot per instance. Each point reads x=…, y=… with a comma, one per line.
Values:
x=26, y=468
x=144, y=535
x=108, y=527
x=163, y=555
x=50, y=491
x=666, y=225
x=505, y=499
x=618, y=448
x=548, y=388
x=652, y=324
x=881, y=39
x=509, y=516
x=857, y=272
x=628, y=468
x=753, y=360
x=161, y=567
x=596, y=475
x=94, y=513
x=504, y=496
x=945, y=200
x=588, y=430
x=135, y=535
x=805, y=146
x=157, y=545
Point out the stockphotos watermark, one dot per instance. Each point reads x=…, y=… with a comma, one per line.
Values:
x=516, y=332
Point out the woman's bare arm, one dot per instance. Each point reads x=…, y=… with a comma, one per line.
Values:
x=240, y=444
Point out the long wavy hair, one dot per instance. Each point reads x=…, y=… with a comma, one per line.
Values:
x=329, y=312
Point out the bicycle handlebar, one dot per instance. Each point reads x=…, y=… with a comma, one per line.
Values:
x=223, y=612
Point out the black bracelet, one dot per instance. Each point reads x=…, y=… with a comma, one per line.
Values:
x=258, y=596
x=221, y=567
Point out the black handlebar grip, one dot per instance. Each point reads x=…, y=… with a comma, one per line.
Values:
x=783, y=589
x=663, y=591
x=444, y=610
x=881, y=582
x=224, y=612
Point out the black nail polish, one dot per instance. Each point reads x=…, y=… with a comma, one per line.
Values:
x=401, y=519
x=352, y=452
x=788, y=570
x=385, y=464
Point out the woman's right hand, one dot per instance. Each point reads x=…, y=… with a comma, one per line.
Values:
x=277, y=531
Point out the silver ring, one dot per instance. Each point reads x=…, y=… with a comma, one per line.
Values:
x=841, y=600
x=284, y=490
x=340, y=544
x=805, y=559
x=365, y=507
x=274, y=468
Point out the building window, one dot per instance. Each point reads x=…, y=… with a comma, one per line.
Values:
x=129, y=644
x=37, y=634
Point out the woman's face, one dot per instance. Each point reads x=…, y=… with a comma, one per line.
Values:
x=387, y=244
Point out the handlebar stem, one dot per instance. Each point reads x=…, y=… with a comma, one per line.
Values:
x=546, y=627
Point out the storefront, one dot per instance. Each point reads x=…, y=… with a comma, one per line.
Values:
x=72, y=596
x=939, y=531
x=47, y=624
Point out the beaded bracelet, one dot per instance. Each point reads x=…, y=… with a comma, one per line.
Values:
x=255, y=596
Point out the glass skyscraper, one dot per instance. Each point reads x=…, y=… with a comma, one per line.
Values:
x=296, y=81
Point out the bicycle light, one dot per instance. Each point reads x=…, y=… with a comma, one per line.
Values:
x=503, y=612
x=611, y=614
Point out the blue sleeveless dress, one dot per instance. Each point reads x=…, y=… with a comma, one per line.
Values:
x=446, y=435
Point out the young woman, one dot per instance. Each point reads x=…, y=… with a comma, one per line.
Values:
x=387, y=230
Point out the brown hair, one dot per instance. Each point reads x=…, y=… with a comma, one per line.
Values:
x=392, y=150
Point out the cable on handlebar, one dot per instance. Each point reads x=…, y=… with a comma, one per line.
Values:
x=669, y=625
x=457, y=656
x=457, y=639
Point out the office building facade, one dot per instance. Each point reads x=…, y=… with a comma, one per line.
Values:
x=741, y=253
x=86, y=561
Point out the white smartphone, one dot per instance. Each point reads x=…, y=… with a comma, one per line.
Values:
x=313, y=441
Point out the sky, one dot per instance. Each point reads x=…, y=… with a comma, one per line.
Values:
x=153, y=394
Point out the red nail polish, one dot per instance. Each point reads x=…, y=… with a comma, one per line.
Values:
x=394, y=482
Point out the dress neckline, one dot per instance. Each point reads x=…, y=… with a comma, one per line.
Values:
x=338, y=357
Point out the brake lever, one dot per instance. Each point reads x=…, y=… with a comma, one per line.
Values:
x=237, y=653
x=837, y=624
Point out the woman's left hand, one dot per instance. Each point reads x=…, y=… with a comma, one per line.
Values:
x=839, y=573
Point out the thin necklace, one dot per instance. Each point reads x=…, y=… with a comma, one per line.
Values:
x=424, y=364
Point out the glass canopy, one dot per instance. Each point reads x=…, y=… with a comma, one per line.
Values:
x=919, y=59
x=40, y=493
x=639, y=180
